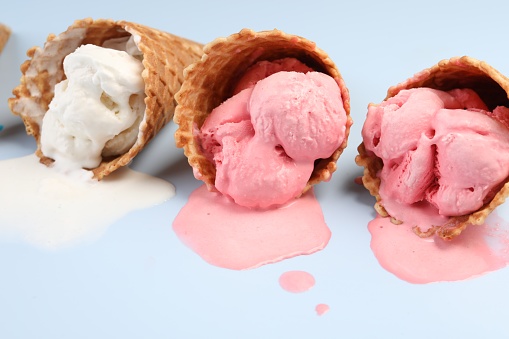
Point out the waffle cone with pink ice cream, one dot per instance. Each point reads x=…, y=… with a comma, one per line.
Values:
x=254, y=86
x=440, y=139
x=160, y=58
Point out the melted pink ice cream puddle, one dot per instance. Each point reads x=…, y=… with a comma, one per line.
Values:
x=296, y=281
x=478, y=250
x=231, y=236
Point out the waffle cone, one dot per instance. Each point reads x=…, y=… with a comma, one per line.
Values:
x=211, y=81
x=5, y=33
x=164, y=58
x=457, y=72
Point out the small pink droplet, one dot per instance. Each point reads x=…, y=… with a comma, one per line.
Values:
x=321, y=309
x=296, y=281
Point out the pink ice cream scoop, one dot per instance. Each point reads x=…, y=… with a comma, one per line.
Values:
x=278, y=126
x=444, y=148
x=265, y=139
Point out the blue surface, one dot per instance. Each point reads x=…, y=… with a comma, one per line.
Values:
x=139, y=281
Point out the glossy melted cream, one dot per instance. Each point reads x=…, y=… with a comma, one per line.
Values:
x=48, y=209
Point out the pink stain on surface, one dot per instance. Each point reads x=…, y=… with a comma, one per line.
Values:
x=478, y=250
x=296, y=281
x=231, y=236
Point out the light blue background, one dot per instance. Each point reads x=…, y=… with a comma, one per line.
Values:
x=139, y=281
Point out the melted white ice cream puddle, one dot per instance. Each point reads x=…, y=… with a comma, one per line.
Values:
x=51, y=210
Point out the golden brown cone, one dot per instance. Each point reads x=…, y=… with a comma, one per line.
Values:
x=5, y=33
x=164, y=58
x=211, y=81
x=457, y=72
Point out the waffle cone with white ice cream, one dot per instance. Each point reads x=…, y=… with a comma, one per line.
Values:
x=488, y=85
x=161, y=59
x=212, y=80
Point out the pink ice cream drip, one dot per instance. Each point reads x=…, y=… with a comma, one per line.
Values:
x=265, y=139
x=445, y=148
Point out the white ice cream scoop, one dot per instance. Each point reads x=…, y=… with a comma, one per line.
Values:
x=96, y=110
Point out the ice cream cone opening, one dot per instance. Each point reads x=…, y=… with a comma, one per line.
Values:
x=212, y=80
x=461, y=72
